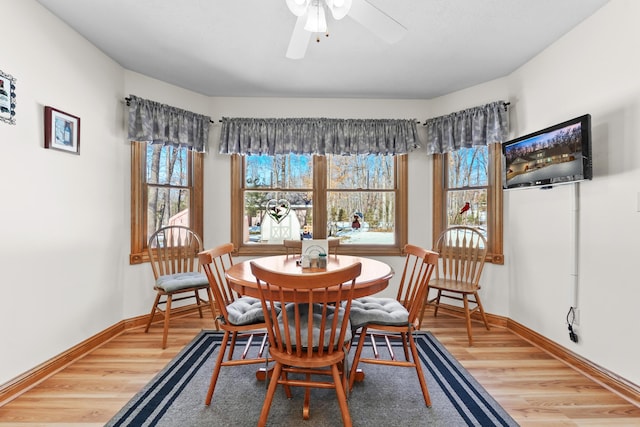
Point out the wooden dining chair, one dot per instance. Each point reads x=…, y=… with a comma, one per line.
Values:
x=385, y=319
x=239, y=316
x=334, y=244
x=462, y=252
x=292, y=247
x=307, y=319
x=173, y=255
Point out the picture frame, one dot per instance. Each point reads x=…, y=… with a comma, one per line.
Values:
x=61, y=130
x=7, y=98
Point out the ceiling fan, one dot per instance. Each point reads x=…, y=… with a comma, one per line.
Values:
x=312, y=19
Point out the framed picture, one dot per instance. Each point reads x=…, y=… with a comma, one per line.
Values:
x=7, y=98
x=61, y=130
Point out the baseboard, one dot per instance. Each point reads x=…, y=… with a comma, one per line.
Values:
x=618, y=385
x=30, y=379
x=493, y=319
x=602, y=376
x=35, y=376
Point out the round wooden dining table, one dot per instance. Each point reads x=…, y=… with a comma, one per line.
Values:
x=374, y=277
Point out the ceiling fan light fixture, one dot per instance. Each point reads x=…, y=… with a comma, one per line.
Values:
x=339, y=8
x=312, y=19
x=316, y=20
x=298, y=7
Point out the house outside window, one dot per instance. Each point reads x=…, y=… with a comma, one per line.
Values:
x=359, y=199
x=166, y=189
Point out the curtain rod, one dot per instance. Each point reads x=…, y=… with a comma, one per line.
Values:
x=128, y=101
x=417, y=121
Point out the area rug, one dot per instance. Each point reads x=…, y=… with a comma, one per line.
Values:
x=387, y=396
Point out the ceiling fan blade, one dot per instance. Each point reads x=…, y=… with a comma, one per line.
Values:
x=298, y=7
x=376, y=21
x=339, y=9
x=299, y=39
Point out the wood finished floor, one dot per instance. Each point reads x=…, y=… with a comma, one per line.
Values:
x=533, y=387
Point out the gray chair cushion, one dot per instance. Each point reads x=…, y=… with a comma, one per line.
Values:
x=245, y=311
x=178, y=281
x=381, y=311
x=317, y=318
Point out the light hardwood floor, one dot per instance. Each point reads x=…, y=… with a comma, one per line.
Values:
x=535, y=388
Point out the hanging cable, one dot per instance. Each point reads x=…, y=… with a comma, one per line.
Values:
x=571, y=318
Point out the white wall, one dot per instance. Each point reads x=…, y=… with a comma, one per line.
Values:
x=83, y=283
x=63, y=230
x=594, y=69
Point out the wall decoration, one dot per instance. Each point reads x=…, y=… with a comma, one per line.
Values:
x=278, y=209
x=7, y=98
x=61, y=130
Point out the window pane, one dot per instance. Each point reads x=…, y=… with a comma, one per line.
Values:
x=163, y=191
x=167, y=165
x=464, y=177
x=469, y=167
x=468, y=207
x=280, y=171
x=360, y=172
x=367, y=188
x=167, y=206
x=361, y=217
x=271, y=217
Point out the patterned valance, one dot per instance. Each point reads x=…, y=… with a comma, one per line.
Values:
x=163, y=124
x=317, y=136
x=482, y=125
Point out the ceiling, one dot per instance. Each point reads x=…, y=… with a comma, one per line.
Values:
x=237, y=47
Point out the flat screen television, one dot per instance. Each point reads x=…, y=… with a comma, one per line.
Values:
x=559, y=154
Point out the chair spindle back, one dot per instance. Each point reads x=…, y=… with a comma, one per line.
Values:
x=174, y=249
x=306, y=317
x=462, y=251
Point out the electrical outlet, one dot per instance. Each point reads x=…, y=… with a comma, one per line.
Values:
x=576, y=320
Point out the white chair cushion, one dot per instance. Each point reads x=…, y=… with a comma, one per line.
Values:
x=381, y=311
x=317, y=318
x=245, y=311
x=178, y=281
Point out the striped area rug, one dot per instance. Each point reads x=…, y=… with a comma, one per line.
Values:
x=387, y=396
